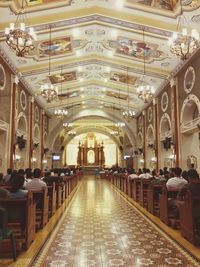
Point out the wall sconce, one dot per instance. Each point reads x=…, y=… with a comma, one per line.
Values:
x=172, y=157
x=141, y=160
x=17, y=157
x=153, y=159
x=44, y=161
x=33, y=159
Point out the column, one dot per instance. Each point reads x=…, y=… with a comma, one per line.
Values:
x=30, y=146
x=14, y=82
x=144, y=137
x=42, y=140
x=155, y=102
x=175, y=120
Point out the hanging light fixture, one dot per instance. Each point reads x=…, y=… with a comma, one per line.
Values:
x=72, y=133
x=120, y=124
x=19, y=37
x=67, y=124
x=114, y=132
x=183, y=43
x=128, y=113
x=144, y=90
x=48, y=90
x=60, y=113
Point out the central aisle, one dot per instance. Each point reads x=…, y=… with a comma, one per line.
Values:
x=101, y=229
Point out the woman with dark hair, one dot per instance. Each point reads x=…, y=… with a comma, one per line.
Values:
x=17, y=184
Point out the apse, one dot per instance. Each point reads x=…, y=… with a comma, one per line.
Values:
x=91, y=149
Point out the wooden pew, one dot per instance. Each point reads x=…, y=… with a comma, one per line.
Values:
x=41, y=200
x=190, y=217
x=144, y=185
x=153, y=197
x=131, y=188
x=21, y=218
x=52, y=198
x=167, y=216
x=136, y=189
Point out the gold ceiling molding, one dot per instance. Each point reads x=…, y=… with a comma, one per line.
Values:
x=110, y=13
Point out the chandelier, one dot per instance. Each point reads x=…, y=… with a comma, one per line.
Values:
x=127, y=114
x=183, y=43
x=67, y=124
x=72, y=133
x=60, y=113
x=144, y=90
x=120, y=124
x=114, y=132
x=19, y=37
x=48, y=90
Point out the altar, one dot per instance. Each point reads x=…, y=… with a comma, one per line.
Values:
x=91, y=152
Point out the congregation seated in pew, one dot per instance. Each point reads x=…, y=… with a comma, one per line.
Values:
x=36, y=183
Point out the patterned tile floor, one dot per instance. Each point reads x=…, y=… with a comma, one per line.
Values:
x=101, y=229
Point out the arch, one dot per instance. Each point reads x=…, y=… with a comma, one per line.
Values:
x=22, y=125
x=45, y=139
x=95, y=112
x=140, y=140
x=165, y=126
x=150, y=135
x=190, y=111
x=36, y=133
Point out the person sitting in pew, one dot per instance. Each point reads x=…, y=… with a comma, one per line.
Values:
x=16, y=190
x=7, y=177
x=193, y=185
x=3, y=192
x=146, y=174
x=132, y=175
x=36, y=184
x=176, y=182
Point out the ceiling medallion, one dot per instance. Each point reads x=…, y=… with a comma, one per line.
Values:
x=19, y=37
x=164, y=101
x=189, y=79
x=182, y=43
x=144, y=90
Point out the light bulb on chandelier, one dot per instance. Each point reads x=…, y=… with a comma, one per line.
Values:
x=60, y=113
x=19, y=37
x=67, y=124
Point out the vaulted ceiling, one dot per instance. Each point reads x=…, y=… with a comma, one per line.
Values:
x=99, y=45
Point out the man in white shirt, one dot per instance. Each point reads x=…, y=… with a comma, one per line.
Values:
x=36, y=184
x=176, y=182
x=146, y=174
x=133, y=175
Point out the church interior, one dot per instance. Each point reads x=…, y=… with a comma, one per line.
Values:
x=100, y=105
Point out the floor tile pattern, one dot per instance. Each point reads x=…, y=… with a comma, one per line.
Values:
x=101, y=229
